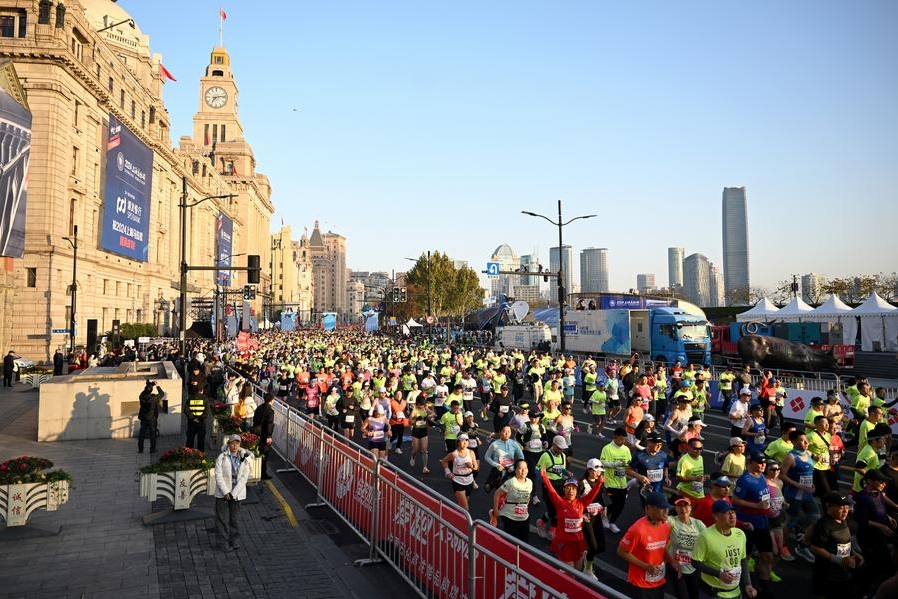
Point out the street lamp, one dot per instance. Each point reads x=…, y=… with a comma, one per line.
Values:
x=275, y=245
x=182, y=308
x=561, y=293
x=130, y=23
x=73, y=241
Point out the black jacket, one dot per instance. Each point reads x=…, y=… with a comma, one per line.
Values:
x=149, y=404
x=264, y=419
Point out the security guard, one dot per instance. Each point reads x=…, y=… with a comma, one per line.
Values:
x=196, y=418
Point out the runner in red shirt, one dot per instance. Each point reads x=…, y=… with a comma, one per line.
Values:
x=643, y=547
x=569, y=545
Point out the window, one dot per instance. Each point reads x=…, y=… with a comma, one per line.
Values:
x=12, y=22
x=60, y=15
x=214, y=133
x=7, y=26
x=121, y=99
x=143, y=119
x=152, y=114
x=31, y=277
x=43, y=12
x=222, y=132
x=219, y=60
x=75, y=158
x=133, y=110
x=78, y=49
x=110, y=85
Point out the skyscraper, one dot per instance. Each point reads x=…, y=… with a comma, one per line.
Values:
x=645, y=282
x=697, y=279
x=735, y=246
x=530, y=262
x=594, y=270
x=812, y=288
x=568, y=254
x=504, y=284
x=675, y=267
x=716, y=290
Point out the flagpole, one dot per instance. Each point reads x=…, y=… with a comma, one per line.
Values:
x=220, y=28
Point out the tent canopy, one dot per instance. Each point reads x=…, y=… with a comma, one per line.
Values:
x=794, y=310
x=833, y=307
x=875, y=306
x=764, y=310
x=411, y=323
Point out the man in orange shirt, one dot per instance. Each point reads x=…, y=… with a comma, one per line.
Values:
x=643, y=548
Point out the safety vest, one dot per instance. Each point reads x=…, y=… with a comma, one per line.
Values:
x=196, y=406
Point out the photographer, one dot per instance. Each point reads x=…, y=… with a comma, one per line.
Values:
x=150, y=399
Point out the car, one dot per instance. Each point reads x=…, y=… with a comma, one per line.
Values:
x=24, y=363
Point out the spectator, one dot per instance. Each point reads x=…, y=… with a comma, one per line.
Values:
x=232, y=468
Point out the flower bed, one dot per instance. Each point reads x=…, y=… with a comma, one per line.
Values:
x=180, y=475
x=25, y=487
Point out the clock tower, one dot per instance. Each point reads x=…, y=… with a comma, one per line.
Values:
x=216, y=126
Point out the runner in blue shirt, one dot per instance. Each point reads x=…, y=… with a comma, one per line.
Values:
x=650, y=467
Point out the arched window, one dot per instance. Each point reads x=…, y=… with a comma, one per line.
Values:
x=60, y=15
x=43, y=12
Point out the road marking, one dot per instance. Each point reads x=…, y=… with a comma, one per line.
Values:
x=291, y=517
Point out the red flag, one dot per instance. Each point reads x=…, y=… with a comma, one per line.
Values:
x=163, y=72
x=224, y=15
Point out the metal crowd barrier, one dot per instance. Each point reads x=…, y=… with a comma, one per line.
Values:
x=433, y=544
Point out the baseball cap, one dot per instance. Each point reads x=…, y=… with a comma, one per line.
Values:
x=875, y=475
x=537, y=415
x=758, y=458
x=654, y=438
x=463, y=437
x=736, y=441
x=682, y=500
x=721, y=506
x=682, y=399
x=381, y=389
x=503, y=388
x=234, y=438
x=757, y=406
x=656, y=499
x=696, y=421
x=469, y=413
x=595, y=464
x=836, y=498
x=745, y=391
x=524, y=406
x=570, y=481
x=649, y=418
x=722, y=481
x=560, y=442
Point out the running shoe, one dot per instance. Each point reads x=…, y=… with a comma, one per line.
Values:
x=398, y=451
x=476, y=486
x=541, y=528
x=426, y=470
x=786, y=555
x=774, y=577
x=605, y=524
x=589, y=429
x=613, y=528
x=804, y=553
x=601, y=436
x=411, y=461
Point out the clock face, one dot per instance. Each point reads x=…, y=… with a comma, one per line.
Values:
x=216, y=97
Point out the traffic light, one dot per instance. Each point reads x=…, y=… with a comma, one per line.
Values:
x=403, y=294
x=396, y=295
x=249, y=292
x=253, y=268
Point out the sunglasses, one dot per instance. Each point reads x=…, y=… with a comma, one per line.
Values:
x=773, y=470
x=697, y=448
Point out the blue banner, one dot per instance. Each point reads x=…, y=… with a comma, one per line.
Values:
x=15, y=139
x=372, y=322
x=288, y=321
x=126, y=204
x=224, y=232
x=329, y=321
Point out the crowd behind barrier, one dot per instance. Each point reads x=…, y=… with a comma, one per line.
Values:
x=431, y=543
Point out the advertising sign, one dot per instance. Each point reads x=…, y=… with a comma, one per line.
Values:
x=125, y=228
x=224, y=231
x=15, y=139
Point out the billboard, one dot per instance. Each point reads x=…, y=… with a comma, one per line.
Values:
x=224, y=231
x=126, y=202
x=15, y=139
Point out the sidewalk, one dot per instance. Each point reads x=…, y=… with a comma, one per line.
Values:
x=104, y=550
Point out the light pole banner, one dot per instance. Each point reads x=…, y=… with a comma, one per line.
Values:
x=224, y=231
x=15, y=140
x=126, y=199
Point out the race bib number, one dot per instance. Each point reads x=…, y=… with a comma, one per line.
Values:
x=557, y=469
x=503, y=409
x=823, y=459
x=649, y=577
x=760, y=439
x=454, y=429
x=684, y=556
x=594, y=508
x=400, y=415
x=698, y=486
x=573, y=525
x=377, y=435
x=776, y=504
x=349, y=418
x=620, y=472
x=737, y=572
x=473, y=442
x=535, y=444
x=655, y=476
x=520, y=509
x=806, y=480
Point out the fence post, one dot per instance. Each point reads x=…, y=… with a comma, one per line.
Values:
x=375, y=517
x=319, y=499
x=472, y=560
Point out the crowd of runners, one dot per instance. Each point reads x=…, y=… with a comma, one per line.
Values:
x=775, y=494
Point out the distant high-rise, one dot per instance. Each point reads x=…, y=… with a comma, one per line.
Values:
x=530, y=262
x=735, y=246
x=716, y=290
x=812, y=288
x=697, y=279
x=504, y=284
x=568, y=254
x=675, y=267
x=645, y=282
x=594, y=270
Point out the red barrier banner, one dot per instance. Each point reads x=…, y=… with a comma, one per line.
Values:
x=425, y=537
x=348, y=483
x=493, y=578
x=306, y=440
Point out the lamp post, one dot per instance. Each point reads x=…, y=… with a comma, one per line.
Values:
x=275, y=245
x=73, y=241
x=182, y=304
x=561, y=292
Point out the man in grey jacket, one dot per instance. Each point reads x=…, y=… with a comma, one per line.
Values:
x=232, y=468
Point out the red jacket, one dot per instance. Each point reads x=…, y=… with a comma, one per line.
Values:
x=569, y=514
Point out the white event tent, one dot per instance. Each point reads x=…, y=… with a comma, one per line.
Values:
x=763, y=311
x=879, y=324
x=795, y=311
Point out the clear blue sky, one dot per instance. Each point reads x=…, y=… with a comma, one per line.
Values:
x=424, y=125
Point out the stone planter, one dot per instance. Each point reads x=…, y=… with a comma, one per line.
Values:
x=17, y=502
x=36, y=378
x=179, y=487
x=255, y=469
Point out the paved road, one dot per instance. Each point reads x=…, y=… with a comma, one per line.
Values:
x=796, y=575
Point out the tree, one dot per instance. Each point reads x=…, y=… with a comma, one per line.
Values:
x=746, y=296
x=452, y=291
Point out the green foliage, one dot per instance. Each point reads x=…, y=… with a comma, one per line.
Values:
x=130, y=330
x=180, y=458
x=453, y=291
x=26, y=470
